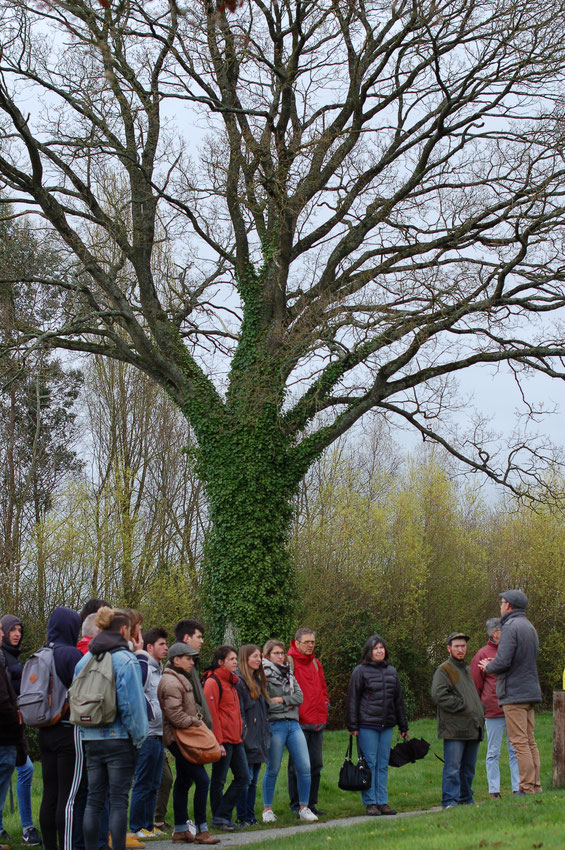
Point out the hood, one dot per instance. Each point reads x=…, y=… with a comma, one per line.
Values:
x=106, y=641
x=63, y=627
x=8, y=623
x=299, y=657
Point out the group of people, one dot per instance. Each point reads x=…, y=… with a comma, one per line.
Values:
x=257, y=702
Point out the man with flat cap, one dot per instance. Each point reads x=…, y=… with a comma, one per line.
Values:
x=460, y=722
x=517, y=684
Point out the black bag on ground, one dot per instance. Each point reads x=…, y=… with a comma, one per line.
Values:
x=354, y=777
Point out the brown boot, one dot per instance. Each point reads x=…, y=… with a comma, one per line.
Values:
x=385, y=809
x=205, y=838
x=185, y=837
x=373, y=810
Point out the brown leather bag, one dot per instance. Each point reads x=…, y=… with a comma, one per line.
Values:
x=198, y=744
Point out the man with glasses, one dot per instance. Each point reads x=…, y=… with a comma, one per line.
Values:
x=313, y=713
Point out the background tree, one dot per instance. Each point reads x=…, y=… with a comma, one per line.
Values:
x=376, y=205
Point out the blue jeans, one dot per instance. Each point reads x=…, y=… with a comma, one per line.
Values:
x=460, y=758
x=222, y=803
x=287, y=733
x=7, y=765
x=376, y=749
x=246, y=803
x=23, y=790
x=110, y=766
x=147, y=780
x=188, y=773
x=496, y=727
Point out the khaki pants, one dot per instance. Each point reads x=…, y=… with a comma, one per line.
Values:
x=520, y=729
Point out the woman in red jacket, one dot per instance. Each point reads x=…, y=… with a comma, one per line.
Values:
x=223, y=702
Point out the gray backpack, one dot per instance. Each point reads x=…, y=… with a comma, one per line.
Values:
x=43, y=697
x=92, y=695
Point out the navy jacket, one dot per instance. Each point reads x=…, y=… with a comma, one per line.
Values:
x=63, y=630
x=12, y=653
x=515, y=664
x=374, y=698
x=257, y=732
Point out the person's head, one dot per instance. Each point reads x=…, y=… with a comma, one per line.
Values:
x=92, y=606
x=375, y=649
x=15, y=635
x=493, y=629
x=136, y=619
x=275, y=651
x=512, y=600
x=457, y=645
x=305, y=640
x=89, y=627
x=114, y=620
x=155, y=643
x=190, y=632
x=13, y=630
x=225, y=656
x=251, y=668
x=182, y=657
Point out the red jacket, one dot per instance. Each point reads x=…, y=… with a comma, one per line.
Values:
x=309, y=674
x=225, y=708
x=83, y=644
x=486, y=683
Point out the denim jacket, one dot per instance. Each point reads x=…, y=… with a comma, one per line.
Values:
x=131, y=717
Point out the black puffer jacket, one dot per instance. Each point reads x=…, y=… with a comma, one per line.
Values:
x=374, y=697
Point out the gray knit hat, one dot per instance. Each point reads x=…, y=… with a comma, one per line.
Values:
x=516, y=598
x=179, y=648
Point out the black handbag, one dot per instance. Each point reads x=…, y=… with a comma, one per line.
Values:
x=354, y=777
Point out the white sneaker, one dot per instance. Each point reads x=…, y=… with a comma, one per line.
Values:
x=145, y=833
x=270, y=817
x=191, y=827
x=307, y=815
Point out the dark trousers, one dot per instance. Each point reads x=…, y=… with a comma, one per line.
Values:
x=164, y=793
x=222, y=804
x=314, y=740
x=80, y=804
x=147, y=780
x=187, y=774
x=110, y=766
x=57, y=748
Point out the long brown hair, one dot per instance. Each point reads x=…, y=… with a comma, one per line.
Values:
x=255, y=679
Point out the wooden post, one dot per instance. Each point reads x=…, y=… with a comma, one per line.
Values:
x=559, y=739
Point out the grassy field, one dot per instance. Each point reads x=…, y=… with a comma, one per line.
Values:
x=518, y=823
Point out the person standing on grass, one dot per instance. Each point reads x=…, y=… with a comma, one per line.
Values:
x=312, y=714
x=223, y=700
x=459, y=722
x=494, y=714
x=151, y=755
x=517, y=684
x=252, y=690
x=11, y=732
x=112, y=749
x=285, y=697
x=375, y=705
x=13, y=631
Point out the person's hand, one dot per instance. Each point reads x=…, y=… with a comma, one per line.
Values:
x=278, y=700
x=222, y=750
x=137, y=641
x=355, y=734
x=484, y=662
x=405, y=735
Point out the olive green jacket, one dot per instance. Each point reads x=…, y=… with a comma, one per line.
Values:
x=460, y=714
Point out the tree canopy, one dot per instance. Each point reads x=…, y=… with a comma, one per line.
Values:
x=290, y=216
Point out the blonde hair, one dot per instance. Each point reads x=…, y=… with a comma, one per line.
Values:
x=112, y=619
x=272, y=644
x=255, y=679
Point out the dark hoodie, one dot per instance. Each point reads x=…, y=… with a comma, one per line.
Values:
x=63, y=630
x=11, y=653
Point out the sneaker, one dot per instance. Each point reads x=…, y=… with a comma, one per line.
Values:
x=269, y=816
x=31, y=837
x=191, y=826
x=306, y=815
x=385, y=809
x=224, y=826
x=145, y=833
x=156, y=832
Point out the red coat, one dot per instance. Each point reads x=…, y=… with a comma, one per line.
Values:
x=486, y=683
x=309, y=674
x=225, y=709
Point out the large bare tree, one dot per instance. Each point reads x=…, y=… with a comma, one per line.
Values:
x=290, y=216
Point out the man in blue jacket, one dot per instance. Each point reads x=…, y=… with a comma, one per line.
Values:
x=517, y=684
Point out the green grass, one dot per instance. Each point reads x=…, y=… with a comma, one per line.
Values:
x=517, y=823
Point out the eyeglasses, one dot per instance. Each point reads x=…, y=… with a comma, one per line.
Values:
x=277, y=652
x=308, y=642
